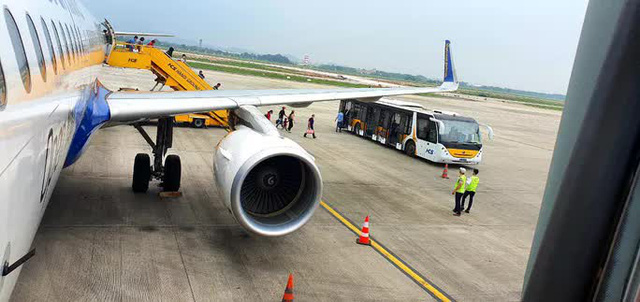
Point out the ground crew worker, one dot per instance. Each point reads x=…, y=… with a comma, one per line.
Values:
x=472, y=185
x=338, y=121
x=458, y=191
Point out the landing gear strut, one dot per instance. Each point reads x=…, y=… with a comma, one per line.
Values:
x=143, y=170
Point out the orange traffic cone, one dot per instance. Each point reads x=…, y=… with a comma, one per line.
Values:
x=288, y=292
x=364, y=235
x=445, y=172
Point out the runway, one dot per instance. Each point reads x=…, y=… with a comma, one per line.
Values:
x=99, y=241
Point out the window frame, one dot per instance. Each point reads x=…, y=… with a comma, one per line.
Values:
x=19, y=52
x=60, y=48
x=49, y=41
x=66, y=43
x=37, y=45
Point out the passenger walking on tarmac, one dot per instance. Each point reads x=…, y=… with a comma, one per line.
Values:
x=291, y=118
x=339, y=119
x=472, y=185
x=200, y=74
x=458, y=191
x=281, y=117
x=310, y=129
x=140, y=43
x=268, y=115
x=132, y=42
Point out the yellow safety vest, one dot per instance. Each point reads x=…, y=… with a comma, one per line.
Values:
x=462, y=180
x=474, y=184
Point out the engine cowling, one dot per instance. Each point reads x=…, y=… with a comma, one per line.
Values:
x=270, y=184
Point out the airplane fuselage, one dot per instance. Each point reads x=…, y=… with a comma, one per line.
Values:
x=48, y=81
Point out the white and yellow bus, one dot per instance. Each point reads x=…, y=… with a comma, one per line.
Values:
x=438, y=136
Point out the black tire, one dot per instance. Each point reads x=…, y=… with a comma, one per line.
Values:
x=356, y=129
x=141, y=173
x=198, y=123
x=172, y=173
x=410, y=148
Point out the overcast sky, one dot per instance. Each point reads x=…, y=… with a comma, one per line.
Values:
x=526, y=45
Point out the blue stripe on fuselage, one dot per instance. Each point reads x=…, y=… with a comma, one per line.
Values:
x=91, y=112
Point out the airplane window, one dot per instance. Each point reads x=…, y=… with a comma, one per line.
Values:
x=18, y=49
x=38, y=47
x=66, y=43
x=79, y=38
x=60, y=50
x=52, y=52
x=72, y=42
x=3, y=90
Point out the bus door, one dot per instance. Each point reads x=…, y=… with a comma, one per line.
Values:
x=372, y=122
x=398, y=129
x=383, y=126
x=427, y=133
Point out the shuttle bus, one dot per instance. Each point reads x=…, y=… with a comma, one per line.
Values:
x=438, y=136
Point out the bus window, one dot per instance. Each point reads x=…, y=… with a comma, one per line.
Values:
x=398, y=128
x=423, y=127
x=372, y=120
x=432, y=135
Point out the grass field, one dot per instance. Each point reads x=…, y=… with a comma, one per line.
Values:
x=272, y=75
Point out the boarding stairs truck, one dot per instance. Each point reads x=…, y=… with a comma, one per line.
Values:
x=169, y=72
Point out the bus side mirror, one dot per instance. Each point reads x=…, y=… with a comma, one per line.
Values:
x=441, y=127
x=489, y=130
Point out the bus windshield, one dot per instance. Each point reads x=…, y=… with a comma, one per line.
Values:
x=461, y=132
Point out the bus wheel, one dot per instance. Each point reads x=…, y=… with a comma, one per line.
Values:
x=356, y=129
x=410, y=148
x=198, y=123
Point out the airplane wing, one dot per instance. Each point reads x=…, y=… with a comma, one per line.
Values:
x=132, y=106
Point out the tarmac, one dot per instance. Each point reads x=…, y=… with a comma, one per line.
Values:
x=99, y=241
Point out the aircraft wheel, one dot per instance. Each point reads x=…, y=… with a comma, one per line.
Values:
x=198, y=123
x=141, y=173
x=172, y=173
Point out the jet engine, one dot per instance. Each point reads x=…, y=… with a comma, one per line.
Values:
x=270, y=184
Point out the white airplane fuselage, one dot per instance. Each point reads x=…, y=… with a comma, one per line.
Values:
x=44, y=125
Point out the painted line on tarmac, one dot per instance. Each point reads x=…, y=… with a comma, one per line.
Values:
x=422, y=281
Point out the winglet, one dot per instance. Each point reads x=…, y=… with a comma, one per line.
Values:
x=449, y=69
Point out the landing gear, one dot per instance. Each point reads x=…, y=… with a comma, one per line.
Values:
x=144, y=171
x=171, y=177
x=141, y=173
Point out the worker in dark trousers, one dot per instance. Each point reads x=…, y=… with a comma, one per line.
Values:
x=310, y=129
x=470, y=190
x=458, y=191
x=292, y=116
x=281, y=117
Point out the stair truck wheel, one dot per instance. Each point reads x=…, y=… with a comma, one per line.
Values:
x=141, y=173
x=198, y=123
x=172, y=173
